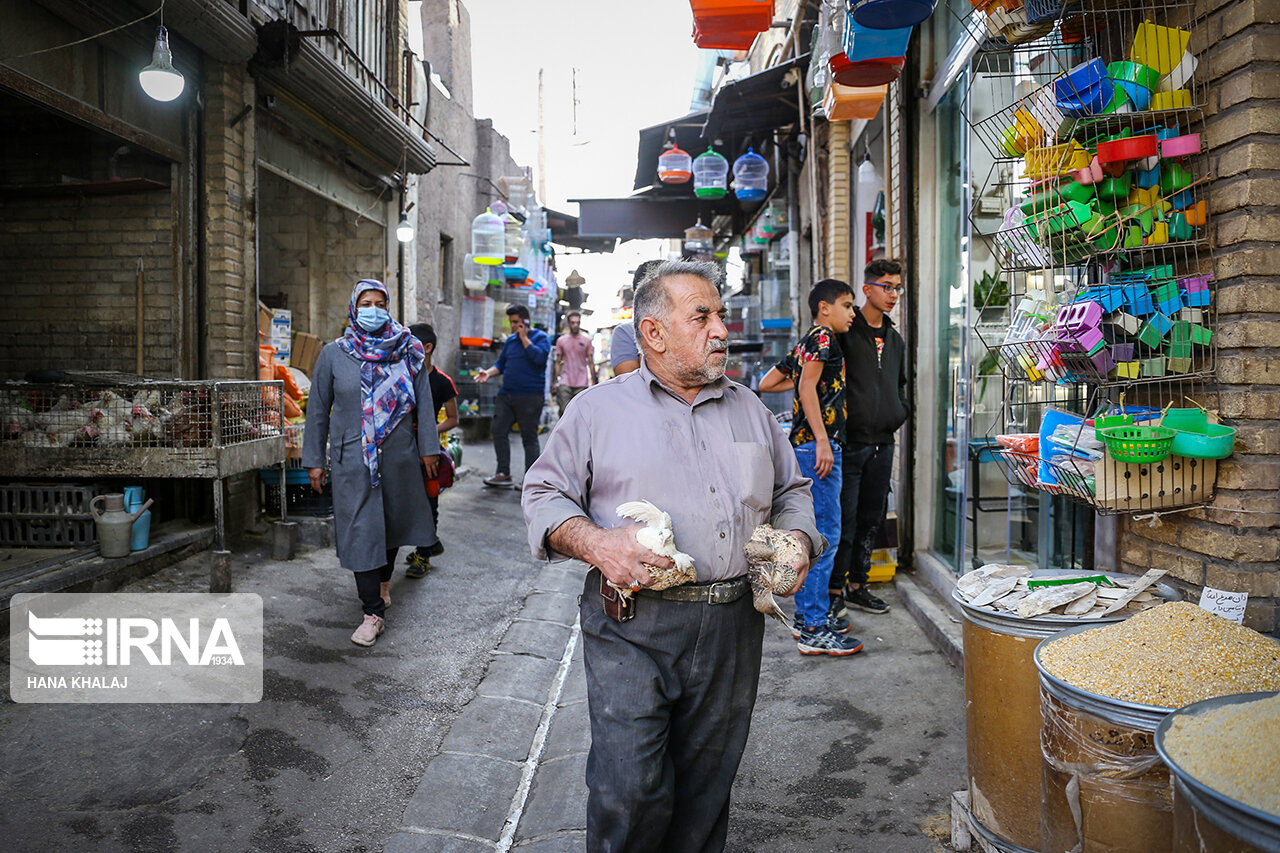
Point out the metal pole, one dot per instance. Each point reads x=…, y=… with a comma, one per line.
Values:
x=220, y=574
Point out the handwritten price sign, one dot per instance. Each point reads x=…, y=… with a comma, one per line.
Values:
x=1228, y=605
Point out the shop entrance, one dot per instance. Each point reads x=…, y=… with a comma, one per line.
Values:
x=311, y=251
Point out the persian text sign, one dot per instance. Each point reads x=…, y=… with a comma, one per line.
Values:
x=132, y=647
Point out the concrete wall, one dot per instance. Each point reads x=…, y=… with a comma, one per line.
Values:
x=1235, y=543
x=449, y=197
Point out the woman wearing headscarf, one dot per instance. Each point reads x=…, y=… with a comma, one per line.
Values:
x=365, y=387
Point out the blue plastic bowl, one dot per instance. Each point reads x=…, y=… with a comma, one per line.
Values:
x=1139, y=96
x=1088, y=103
x=1081, y=80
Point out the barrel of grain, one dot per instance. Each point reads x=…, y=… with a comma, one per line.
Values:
x=1002, y=717
x=1105, y=691
x=1225, y=762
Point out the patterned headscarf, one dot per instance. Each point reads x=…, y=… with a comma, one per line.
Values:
x=389, y=359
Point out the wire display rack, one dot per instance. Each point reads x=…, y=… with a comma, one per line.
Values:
x=1089, y=113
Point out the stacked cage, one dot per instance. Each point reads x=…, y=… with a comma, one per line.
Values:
x=1099, y=308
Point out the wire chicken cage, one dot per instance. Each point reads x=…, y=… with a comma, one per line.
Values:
x=1094, y=209
x=198, y=429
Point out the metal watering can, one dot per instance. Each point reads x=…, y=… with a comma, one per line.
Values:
x=115, y=526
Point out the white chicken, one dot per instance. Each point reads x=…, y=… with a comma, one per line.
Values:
x=659, y=538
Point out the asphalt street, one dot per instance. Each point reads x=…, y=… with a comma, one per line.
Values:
x=464, y=728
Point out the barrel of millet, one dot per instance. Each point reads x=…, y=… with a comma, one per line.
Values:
x=1224, y=761
x=1105, y=691
x=1103, y=787
x=1002, y=717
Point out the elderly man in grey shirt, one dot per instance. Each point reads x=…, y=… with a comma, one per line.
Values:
x=670, y=691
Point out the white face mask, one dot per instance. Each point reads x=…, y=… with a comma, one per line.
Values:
x=371, y=318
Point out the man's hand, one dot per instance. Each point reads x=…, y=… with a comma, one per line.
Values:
x=316, y=476
x=825, y=458
x=484, y=375
x=521, y=330
x=431, y=464
x=621, y=559
x=616, y=553
x=801, y=563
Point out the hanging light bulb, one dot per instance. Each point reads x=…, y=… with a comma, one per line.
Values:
x=160, y=80
x=404, y=231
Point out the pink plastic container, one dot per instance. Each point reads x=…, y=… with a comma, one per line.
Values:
x=1090, y=174
x=1186, y=145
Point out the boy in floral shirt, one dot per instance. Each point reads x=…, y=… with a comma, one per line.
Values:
x=818, y=417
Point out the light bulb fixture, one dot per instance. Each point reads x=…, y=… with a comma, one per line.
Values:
x=160, y=80
x=404, y=231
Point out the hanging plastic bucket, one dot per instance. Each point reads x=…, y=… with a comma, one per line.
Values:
x=867, y=72
x=861, y=42
x=891, y=14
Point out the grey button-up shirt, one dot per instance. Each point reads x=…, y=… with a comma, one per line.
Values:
x=718, y=467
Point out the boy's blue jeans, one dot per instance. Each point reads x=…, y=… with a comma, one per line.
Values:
x=812, y=601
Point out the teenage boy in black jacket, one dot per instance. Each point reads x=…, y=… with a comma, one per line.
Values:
x=876, y=392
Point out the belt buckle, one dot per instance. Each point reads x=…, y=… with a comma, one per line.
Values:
x=714, y=591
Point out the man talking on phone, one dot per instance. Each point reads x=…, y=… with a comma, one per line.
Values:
x=523, y=365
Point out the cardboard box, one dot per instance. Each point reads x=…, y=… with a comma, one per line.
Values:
x=306, y=349
x=281, y=336
x=264, y=321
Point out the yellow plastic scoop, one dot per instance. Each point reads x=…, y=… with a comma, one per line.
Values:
x=1159, y=47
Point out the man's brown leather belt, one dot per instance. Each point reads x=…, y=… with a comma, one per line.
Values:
x=711, y=592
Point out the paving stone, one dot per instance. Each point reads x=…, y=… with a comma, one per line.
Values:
x=519, y=677
x=417, y=842
x=496, y=728
x=540, y=639
x=557, y=607
x=465, y=794
x=567, y=578
x=570, y=732
x=575, y=684
x=557, y=799
x=572, y=842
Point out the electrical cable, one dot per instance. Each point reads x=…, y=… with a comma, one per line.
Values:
x=158, y=11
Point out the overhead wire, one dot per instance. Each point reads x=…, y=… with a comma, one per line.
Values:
x=158, y=11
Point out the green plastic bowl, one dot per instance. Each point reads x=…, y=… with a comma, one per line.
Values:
x=1216, y=442
x=1136, y=73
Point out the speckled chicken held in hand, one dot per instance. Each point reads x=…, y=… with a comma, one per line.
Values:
x=659, y=538
x=771, y=557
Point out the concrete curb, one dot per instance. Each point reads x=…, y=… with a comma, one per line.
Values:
x=942, y=629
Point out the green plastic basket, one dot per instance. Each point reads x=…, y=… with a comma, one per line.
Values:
x=1138, y=443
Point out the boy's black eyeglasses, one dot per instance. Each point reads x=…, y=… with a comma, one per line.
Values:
x=888, y=288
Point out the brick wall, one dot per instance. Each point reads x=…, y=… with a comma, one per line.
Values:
x=68, y=276
x=1219, y=546
x=231, y=314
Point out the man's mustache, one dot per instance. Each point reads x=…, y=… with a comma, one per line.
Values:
x=717, y=346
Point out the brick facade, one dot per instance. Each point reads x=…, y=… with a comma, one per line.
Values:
x=1235, y=544
x=837, y=236
x=231, y=314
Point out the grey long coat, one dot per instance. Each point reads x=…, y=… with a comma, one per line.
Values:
x=368, y=521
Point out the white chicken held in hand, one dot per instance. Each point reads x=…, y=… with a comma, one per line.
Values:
x=659, y=538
